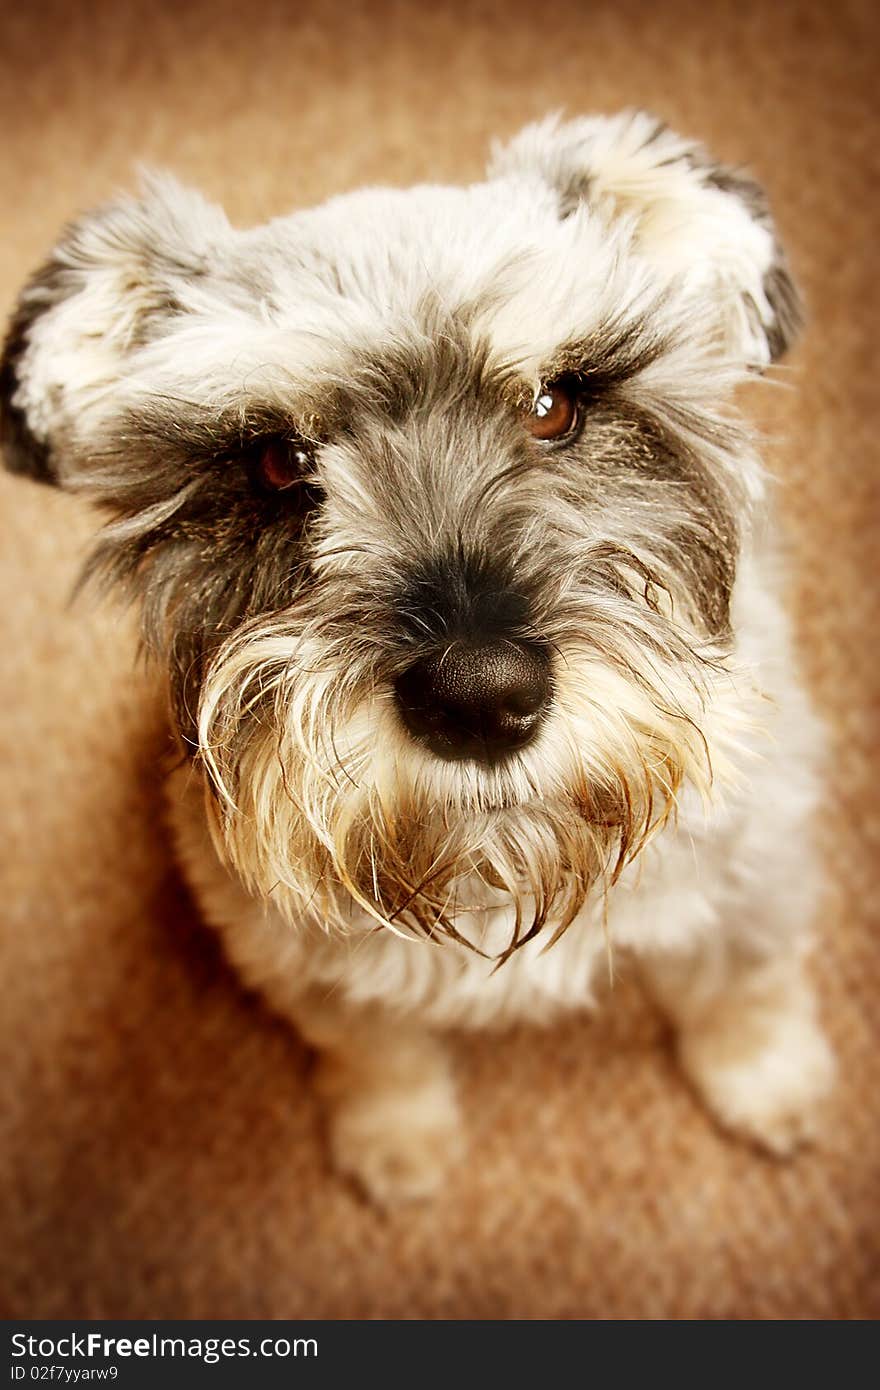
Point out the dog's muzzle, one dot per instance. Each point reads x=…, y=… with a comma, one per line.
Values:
x=479, y=701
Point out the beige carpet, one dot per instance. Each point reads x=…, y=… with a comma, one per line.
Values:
x=159, y=1149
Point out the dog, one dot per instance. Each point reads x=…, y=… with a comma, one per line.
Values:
x=445, y=523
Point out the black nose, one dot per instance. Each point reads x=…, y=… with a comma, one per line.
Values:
x=476, y=700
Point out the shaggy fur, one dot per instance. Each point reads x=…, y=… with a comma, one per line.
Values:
x=392, y=344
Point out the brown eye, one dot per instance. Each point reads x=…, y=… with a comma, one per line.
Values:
x=553, y=413
x=281, y=463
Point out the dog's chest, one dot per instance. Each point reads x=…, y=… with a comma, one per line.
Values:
x=661, y=902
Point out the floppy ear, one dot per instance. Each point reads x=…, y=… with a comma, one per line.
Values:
x=114, y=276
x=700, y=224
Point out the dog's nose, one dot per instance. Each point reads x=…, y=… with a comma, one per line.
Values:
x=476, y=700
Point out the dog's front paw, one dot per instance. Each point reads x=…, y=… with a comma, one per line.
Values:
x=764, y=1077
x=397, y=1145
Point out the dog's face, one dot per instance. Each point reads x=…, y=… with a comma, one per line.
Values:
x=432, y=500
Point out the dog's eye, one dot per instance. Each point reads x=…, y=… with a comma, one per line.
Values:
x=282, y=464
x=553, y=412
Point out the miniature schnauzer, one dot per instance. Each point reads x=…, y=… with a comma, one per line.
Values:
x=458, y=554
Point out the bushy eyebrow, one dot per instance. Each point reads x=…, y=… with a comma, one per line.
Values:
x=609, y=355
x=165, y=423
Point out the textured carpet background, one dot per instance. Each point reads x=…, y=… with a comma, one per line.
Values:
x=159, y=1149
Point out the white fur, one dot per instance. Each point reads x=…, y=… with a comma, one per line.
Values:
x=581, y=231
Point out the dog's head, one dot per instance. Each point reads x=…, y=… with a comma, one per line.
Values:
x=433, y=500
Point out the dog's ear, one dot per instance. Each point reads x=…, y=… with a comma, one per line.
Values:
x=105, y=290
x=704, y=226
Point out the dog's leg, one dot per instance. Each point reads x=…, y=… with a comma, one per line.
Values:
x=748, y=1039
x=392, y=1113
